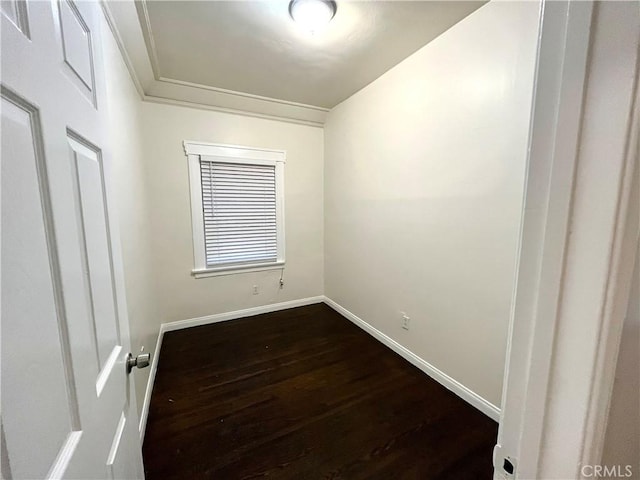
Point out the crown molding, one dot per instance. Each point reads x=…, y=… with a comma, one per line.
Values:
x=169, y=91
x=136, y=45
x=122, y=21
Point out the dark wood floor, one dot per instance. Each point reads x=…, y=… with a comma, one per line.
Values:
x=304, y=394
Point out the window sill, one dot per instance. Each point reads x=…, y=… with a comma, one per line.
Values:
x=235, y=269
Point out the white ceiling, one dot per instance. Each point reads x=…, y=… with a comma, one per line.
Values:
x=254, y=47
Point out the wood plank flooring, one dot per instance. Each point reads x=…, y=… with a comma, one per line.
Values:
x=304, y=394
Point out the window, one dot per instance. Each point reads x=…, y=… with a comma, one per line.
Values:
x=237, y=208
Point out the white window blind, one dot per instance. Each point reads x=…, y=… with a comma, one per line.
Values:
x=239, y=211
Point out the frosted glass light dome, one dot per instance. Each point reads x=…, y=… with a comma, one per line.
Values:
x=312, y=15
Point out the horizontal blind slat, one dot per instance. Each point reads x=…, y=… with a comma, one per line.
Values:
x=233, y=243
x=244, y=168
x=221, y=259
x=242, y=208
x=239, y=217
x=241, y=229
x=253, y=253
x=232, y=223
x=235, y=180
x=234, y=240
x=242, y=191
x=248, y=254
x=246, y=172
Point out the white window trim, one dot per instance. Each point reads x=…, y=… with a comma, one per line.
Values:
x=231, y=154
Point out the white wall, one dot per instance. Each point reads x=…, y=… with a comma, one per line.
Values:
x=424, y=175
x=129, y=180
x=179, y=295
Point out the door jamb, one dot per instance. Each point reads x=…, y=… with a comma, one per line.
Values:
x=558, y=242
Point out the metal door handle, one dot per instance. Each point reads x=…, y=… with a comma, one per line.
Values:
x=140, y=361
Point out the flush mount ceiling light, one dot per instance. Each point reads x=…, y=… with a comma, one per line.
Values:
x=312, y=15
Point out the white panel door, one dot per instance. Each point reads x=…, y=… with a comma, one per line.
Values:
x=67, y=404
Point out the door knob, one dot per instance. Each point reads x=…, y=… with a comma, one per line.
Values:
x=139, y=361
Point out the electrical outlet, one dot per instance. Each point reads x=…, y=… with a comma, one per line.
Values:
x=255, y=290
x=405, y=320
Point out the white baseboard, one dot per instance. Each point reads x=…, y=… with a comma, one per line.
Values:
x=442, y=378
x=194, y=322
x=247, y=312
